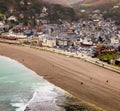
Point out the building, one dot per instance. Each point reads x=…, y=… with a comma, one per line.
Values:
x=115, y=40
x=49, y=41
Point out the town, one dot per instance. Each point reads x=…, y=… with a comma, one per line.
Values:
x=96, y=37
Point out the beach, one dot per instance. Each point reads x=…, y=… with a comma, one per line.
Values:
x=83, y=80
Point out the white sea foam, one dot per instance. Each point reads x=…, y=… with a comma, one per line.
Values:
x=43, y=91
x=22, y=106
x=44, y=96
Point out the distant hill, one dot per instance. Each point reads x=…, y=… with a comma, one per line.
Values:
x=96, y=3
x=82, y=2
x=79, y=4
x=63, y=2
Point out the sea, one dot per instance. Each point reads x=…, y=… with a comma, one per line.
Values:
x=21, y=89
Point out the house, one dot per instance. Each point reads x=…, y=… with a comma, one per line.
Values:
x=71, y=31
x=62, y=42
x=108, y=50
x=49, y=41
x=115, y=40
x=116, y=6
x=87, y=42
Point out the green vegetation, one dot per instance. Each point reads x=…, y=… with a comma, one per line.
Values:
x=107, y=57
x=3, y=7
x=1, y=15
x=56, y=12
x=114, y=14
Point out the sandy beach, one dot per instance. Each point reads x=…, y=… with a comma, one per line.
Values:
x=80, y=78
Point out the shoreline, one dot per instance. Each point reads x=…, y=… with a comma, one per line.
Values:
x=68, y=74
x=78, y=55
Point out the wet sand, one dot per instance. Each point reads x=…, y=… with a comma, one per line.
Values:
x=82, y=79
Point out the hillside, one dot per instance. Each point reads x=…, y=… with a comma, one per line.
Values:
x=110, y=8
x=29, y=11
x=57, y=9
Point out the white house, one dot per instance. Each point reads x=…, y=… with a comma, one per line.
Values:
x=115, y=40
x=87, y=41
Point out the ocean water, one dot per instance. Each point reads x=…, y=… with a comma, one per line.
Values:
x=21, y=88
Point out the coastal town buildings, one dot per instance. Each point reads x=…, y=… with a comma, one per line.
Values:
x=79, y=36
